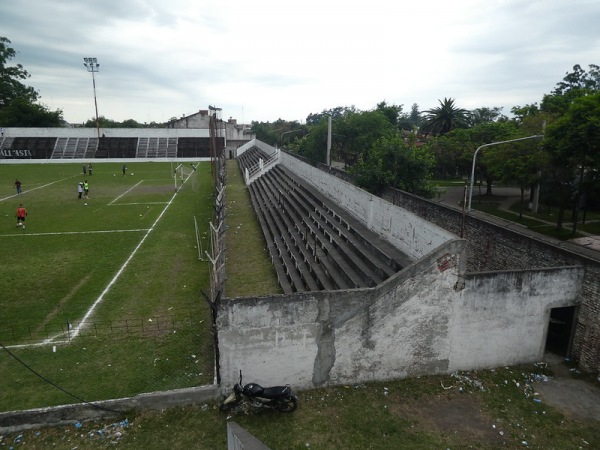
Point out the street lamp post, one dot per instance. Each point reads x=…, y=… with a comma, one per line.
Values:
x=92, y=66
x=286, y=132
x=489, y=145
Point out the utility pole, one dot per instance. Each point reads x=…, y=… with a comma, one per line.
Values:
x=328, y=162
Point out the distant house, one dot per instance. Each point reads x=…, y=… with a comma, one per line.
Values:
x=235, y=135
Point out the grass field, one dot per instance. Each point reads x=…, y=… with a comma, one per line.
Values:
x=101, y=296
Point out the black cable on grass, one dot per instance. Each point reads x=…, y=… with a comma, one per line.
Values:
x=56, y=385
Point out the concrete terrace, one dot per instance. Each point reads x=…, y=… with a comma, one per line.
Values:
x=314, y=244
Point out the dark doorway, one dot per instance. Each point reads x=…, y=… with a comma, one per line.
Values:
x=560, y=330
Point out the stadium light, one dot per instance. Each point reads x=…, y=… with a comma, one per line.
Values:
x=92, y=66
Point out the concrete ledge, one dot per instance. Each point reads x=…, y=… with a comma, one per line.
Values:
x=14, y=421
x=239, y=439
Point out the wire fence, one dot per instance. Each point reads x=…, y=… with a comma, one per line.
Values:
x=106, y=360
x=16, y=334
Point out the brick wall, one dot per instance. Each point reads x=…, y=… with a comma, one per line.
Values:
x=496, y=244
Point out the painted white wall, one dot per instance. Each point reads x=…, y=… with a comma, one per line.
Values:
x=408, y=326
x=520, y=302
x=408, y=232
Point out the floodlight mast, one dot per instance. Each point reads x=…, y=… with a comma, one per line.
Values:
x=92, y=66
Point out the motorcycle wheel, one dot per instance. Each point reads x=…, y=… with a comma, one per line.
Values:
x=228, y=406
x=229, y=403
x=287, y=405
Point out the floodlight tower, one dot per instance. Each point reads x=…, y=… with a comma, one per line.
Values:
x=92, y=66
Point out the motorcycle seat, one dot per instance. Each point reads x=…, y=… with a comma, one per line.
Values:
x=270, y=392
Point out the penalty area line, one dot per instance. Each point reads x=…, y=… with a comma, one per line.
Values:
x=76, y=330
x=62, y=338
x=127, y=191
x=139, y=203
x=36, y=188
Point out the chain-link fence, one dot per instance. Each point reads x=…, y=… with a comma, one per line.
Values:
x=109, y=359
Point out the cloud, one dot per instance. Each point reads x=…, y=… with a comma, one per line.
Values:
x=263, y=60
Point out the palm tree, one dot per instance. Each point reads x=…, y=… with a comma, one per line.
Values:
x=445, y=118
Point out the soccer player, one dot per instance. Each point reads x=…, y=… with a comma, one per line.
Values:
x=21, y=214
x=18, y=186
x=86, y=189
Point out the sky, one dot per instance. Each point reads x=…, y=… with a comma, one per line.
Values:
x=265, y=60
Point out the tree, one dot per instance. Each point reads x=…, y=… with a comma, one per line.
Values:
x=484, y=114
x=517, y=163
x=356, y=132
x=313, y=146
x=573, y=142
x=397, y=163
x=445, y=118
x=520, y=113
x=454, y=150
x=410, y=121
x=574, y=85
x=11, y=87
x=18, y=107
x=572, y=113
x=579, y=80
x=335, y=113
x=353, y=134
x=392, y=112
x=278, y=132
x=22, y=113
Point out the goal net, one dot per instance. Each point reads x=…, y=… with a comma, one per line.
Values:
x=182, y=172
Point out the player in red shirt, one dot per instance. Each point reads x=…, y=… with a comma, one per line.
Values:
x=21, y=214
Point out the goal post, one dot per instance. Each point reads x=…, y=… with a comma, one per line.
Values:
x=198, y=241
x=176, y=175
x=182, y=172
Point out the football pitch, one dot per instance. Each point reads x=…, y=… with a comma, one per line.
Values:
x=101, y=294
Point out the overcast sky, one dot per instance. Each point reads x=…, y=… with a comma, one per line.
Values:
x=263, y=60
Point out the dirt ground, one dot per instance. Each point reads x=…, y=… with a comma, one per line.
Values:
x=464, y=415
x=575, y=398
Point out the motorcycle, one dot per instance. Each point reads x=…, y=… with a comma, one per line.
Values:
x=278, y=398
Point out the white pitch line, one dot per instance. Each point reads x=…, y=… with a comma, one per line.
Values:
x=60, y=233
x=35, y=188
x=140, y=203
x=128, y=190
x=75, y=331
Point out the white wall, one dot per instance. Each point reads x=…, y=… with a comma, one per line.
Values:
x=520, y=302
x=408, y=232
x=416, y=323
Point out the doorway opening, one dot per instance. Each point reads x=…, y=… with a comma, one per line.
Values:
x=560, y=330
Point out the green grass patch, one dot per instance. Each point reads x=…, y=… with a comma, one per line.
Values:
x=543, y=223
x=486, y=409
x=249, y=268
x=448, y=183
x=148, y=327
